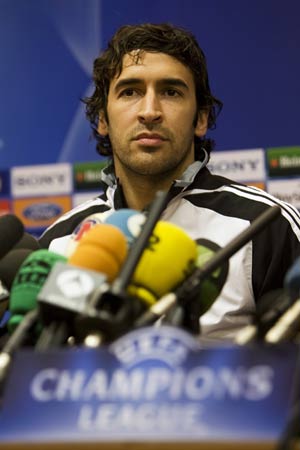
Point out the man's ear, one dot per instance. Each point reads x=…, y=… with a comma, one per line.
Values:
x=102, y=124
x=201, y=124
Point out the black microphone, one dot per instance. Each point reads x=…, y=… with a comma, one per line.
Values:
x=10, y=263
x=27, y=241
x=9, y=266
x=269, y=309
x=288, y=324
x=63, y=297
x=191, y=285
x=11, y=231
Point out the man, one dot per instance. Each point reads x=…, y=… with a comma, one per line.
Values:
x=150, y=111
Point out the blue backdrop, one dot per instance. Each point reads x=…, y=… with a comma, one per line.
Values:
x=47, y=48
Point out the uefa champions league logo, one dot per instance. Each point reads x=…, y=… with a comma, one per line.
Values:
x=167, y=345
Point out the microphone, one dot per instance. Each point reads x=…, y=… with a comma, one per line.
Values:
x=27, y=241
x=23, y=325
x=288, y=324
x=9, y=265
x=11, y=231
x=27, y=283
x=129, y=221
x=103, y=249
x=11, y=262
x=113, y=308
x=121, y=283
x=153, y=276
x=292, y=279
x=191, y=285
x=95, y=262
x=209, y=290
x=65, y=295
x=212, y=285
x=110, y=310
x=269, y=309
x=82, y=228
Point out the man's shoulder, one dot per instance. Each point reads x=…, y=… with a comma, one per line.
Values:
x=237, y=201
x=66, y=224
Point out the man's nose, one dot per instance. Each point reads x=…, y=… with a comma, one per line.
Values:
x=150, y=110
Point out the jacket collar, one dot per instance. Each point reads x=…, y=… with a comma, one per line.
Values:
x=109, y=178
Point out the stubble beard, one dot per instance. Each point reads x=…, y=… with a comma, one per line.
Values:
x=153, y=162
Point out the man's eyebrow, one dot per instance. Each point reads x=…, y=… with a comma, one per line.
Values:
x=174, y=82
x=126, y=82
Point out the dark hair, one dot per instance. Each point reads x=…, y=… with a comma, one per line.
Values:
x=164, y=38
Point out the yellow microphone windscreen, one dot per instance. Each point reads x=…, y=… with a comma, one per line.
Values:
x=167, y=260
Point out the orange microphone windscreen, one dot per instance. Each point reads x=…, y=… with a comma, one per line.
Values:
x=103, y=249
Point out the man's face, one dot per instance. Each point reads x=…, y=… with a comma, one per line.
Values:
x=151, y=111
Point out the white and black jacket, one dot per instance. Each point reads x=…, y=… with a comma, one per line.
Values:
x=214, y=208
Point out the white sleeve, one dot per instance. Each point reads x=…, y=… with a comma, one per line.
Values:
x=60, y=245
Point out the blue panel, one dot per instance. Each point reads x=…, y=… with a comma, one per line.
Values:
x=46, y=53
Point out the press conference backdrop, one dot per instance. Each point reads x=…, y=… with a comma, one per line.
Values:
x=47, y=48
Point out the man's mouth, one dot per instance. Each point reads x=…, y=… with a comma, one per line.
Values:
x=150, y=139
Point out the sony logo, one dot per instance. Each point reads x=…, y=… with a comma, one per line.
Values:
x=41, y=180
x=234, y=166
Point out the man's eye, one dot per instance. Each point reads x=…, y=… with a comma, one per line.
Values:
x=127, y=92
x=171, y=93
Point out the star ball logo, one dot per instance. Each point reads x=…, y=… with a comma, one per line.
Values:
x=163, y=345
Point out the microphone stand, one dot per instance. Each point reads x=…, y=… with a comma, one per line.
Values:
x=15, y=341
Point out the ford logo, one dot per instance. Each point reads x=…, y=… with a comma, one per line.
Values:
x=42, y=211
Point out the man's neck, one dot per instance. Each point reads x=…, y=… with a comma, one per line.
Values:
x=140, y=191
